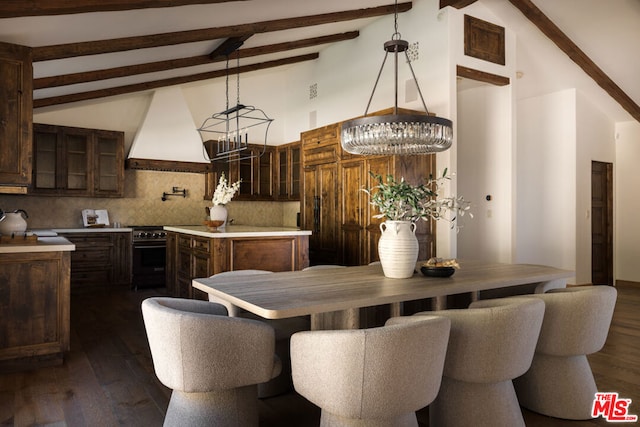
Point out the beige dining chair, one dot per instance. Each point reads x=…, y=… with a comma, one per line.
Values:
x=212, y=362
x=374, y=377
x=576, y=323
x=491, y=343
x=284, y=328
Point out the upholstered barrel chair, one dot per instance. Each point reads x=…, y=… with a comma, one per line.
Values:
x=576, y=323
x=212, y=362
x=374, y=377
x=284, y=328
x=491, y=343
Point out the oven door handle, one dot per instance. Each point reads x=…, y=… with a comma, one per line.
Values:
x=150, y=247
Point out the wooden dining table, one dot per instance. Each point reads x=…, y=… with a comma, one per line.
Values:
x=336, y=297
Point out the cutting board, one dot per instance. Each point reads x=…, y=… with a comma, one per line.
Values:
x=18, y=240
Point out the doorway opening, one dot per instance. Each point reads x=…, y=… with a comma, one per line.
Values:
x=601, y=223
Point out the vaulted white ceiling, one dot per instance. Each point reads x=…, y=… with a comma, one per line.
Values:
x=607, y=31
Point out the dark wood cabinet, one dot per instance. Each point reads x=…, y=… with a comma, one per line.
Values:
x=288, y=171
x=34, y=308
x=191, y=256
x=81, y=162
x=102, y=260
x=16, y=116
x=359, y=230
x=319, y=211
x=336, y=209
x=256, y=172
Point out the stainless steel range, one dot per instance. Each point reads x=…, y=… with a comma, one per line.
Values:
x=149, y=256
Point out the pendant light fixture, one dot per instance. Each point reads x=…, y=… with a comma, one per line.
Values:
x=231, y=129
x=397, y=133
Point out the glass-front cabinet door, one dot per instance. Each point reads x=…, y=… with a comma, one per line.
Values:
x=76, y=155
x=72, y=161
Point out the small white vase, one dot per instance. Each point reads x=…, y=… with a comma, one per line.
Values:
x=218, y=213
x=398, y=249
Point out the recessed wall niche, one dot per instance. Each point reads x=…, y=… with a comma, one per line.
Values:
x=484, y=40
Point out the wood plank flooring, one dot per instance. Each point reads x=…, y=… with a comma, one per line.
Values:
x=107, y=378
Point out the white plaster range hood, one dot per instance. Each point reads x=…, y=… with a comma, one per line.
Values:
x=168, y=139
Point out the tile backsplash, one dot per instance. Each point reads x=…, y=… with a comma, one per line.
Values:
x=142, y=205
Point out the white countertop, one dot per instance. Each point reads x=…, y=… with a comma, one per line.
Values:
x=45, y=244
x=93, y=230
x=237, y=231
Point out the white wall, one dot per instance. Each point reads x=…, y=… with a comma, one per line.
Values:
x=485, y=169
x=627, y=202
x=594, y=141
x=545, y=231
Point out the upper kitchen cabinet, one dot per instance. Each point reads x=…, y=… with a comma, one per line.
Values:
x=16, y=115
x=72, y=161
x=255, y=172
x=288, y=169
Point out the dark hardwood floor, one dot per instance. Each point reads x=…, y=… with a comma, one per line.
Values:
x=107, y=378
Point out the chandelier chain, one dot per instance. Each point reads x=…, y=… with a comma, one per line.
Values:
x=396, y=35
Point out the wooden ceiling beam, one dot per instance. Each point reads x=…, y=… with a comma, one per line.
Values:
x=152, y=67
x=18, y=8
x=96, y=47
x=481, y=76
x=551, y=30
x=138, y=87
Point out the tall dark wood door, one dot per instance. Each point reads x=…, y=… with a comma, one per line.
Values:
x=601, y=223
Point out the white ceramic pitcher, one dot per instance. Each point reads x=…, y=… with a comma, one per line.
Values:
x=13, y=222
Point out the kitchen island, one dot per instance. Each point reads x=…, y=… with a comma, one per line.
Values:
x=195, y=251
x=34, y=302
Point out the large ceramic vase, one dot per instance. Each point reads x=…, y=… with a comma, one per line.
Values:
x=398, y=249
x=218, y=213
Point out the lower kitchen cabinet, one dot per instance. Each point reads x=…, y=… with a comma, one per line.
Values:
x=193, y=259
x=191, y=256
x=102, y=260
x=34, y=308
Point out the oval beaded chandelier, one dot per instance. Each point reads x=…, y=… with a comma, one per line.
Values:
x=397, y=133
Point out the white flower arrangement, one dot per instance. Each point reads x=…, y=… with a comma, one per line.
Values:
x=224, y=192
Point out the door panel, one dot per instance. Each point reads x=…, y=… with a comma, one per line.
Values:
x=601, y=223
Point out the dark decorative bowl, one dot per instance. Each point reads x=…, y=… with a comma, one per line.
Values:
x=437, y=271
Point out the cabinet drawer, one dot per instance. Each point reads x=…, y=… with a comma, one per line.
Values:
x=327, y=135
x=201, y=245
x=90, y=240
x=321, y=155
x=184, y=241
x=96, y=256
